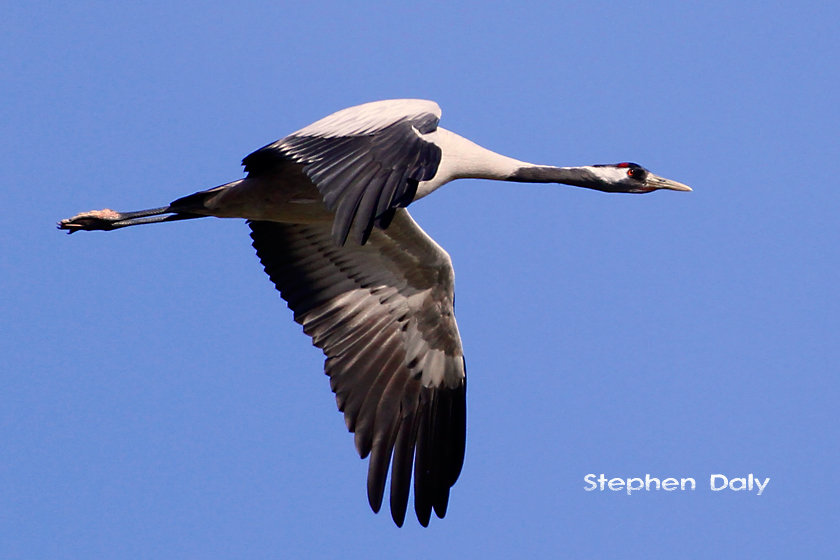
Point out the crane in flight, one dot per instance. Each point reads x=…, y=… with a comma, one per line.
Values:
x=326, y=208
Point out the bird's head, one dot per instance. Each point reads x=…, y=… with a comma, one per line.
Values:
x=629, y=177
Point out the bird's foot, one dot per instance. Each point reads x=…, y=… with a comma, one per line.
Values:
x=90, y=221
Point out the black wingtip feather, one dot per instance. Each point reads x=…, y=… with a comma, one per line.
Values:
x=378, y=466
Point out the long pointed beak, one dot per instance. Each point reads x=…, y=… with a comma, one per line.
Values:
x=657, y=182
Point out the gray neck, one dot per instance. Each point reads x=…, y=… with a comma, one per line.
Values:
x=576, y=176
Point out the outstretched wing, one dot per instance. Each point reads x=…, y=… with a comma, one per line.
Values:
x=383, y=315
x=366, y=161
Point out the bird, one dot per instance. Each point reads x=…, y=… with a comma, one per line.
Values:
x=326, y=206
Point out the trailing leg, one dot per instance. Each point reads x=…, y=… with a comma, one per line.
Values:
x=108, y=219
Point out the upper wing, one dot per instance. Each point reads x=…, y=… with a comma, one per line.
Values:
x=366, y=160
x=383, y=315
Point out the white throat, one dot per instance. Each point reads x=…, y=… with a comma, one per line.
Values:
x=464, y=159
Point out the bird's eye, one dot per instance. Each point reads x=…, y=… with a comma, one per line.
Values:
x=636, y=173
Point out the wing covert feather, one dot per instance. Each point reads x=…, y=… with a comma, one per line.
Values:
x=366, y=161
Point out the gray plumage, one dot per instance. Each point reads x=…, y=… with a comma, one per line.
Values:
x=382, y=313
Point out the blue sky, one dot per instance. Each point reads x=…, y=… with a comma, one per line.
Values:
x=158, y=400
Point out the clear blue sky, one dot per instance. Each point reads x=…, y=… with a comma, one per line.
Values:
x=158, y=401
